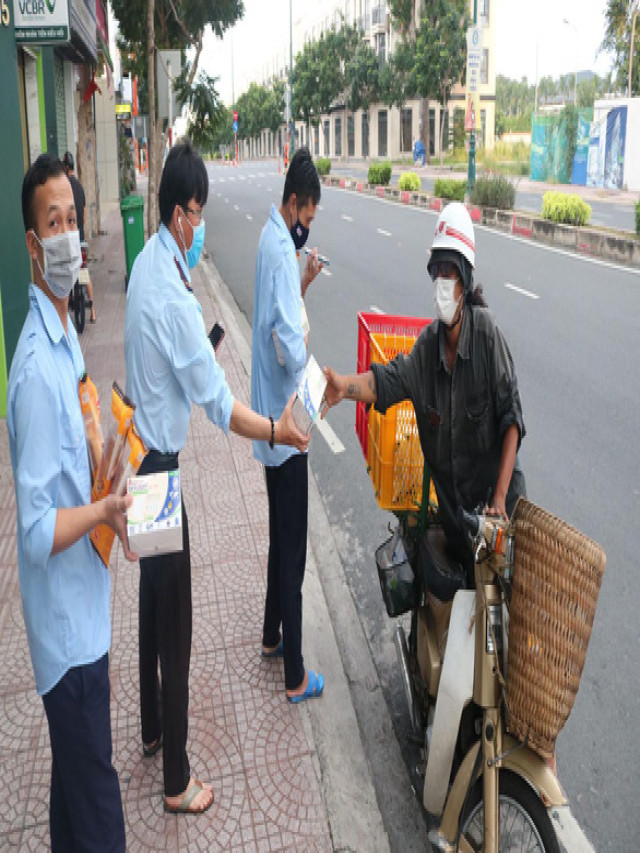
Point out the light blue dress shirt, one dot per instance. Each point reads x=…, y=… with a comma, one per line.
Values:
x=170, y=360
x=65, y=598
x=279, y=354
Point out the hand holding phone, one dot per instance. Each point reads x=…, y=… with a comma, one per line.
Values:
x=215, y=336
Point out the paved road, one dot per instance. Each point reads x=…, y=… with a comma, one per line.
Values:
x=572, y=327
x=608, y=213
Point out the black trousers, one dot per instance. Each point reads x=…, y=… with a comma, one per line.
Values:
x=85, y=810
x=165, y=637
x=288, y=492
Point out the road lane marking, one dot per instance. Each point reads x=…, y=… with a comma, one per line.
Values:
x=219, y=195
x=249, y=217
x=326, y=272
x=320, y=207
x=235, y=207
x=347, y=218
x=335, y=445
x=375, y=310
x=521, y=290
x=384, y=233
x=226, y=201
x=268, y=189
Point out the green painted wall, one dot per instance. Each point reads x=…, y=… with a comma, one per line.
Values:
x=15, y=270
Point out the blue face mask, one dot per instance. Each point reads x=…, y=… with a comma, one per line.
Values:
x=193, y=254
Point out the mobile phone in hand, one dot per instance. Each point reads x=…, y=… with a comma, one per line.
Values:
x=215, y=336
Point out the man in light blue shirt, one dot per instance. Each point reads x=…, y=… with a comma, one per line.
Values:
x=278, y=359
x=170, y=365
x=64, y=585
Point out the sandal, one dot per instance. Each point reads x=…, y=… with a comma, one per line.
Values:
x=150, y=749
x=276, y=652
x=184, y=806
x=314, y=687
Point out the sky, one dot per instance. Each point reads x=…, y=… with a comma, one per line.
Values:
x=525, y=30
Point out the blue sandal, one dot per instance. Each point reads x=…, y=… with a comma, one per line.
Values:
x=274, y=653
x=315, y=687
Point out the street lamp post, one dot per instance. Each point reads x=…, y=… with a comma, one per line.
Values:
x=633, y=31
x=291, y=123
x=575, y=81
x=471, y=173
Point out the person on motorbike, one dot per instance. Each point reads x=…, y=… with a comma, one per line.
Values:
x=461, y=380
x=79, y=202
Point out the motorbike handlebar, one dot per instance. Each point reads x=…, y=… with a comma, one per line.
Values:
x=470, y=521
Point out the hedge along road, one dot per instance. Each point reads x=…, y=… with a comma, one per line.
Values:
x=576, y=350
x=617, y=211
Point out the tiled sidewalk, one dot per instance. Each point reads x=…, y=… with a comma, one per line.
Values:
x=244, y=737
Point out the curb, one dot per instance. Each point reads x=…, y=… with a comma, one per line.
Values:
x=578, y=239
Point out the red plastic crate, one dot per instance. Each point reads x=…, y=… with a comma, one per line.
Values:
x=395, y=325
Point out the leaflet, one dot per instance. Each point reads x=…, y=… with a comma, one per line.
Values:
x=308, y=402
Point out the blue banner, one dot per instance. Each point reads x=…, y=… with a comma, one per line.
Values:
x=581, y=155
x=614, y=151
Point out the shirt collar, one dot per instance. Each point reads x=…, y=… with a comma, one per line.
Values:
x=276, y=217
x=167, y=240
x=463, y=340
x=50, y=316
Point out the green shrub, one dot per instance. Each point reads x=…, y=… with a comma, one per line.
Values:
x=323, y=165
x=638, y=219
x=450, y=188
x=379, y=173
x=410, y=181
x=494, y=191
x=566, y=208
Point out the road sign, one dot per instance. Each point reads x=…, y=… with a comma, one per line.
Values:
x=235, y=115
x=235, y=127
x=287, y=96
x=474, y=66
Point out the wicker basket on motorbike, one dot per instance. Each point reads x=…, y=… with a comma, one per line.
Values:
x=556, y=581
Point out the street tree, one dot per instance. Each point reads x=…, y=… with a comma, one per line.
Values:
x=622, y=18
x=178, y=24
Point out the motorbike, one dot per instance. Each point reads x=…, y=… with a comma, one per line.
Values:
x=489, y=780
x=78, y=301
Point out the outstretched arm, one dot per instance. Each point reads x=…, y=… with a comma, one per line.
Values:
x=359, y=386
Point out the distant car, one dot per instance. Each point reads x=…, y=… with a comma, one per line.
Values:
x=419, y=152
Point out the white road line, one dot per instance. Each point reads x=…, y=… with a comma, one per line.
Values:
x=384, y=233
x=522, y=291
x=268, y=189
x=335, y=445
x=251, y=177
x=249, y=217
x=235, y=207
x=258, y=185
x=226, y=201
x=347, y=218
x=375, y=310
x=326, y=272
x=320, y=207
x=219, y=195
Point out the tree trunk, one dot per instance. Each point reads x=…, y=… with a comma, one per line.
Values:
x=442, y=114
x=152, y=217
x=424, y=120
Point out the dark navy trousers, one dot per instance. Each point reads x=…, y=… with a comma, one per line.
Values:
x=288, y=492
x=85, y=812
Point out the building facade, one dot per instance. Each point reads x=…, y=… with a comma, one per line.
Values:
x=49, y=57
x=380, y=131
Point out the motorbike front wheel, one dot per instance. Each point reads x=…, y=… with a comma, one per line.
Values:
x=525, y=826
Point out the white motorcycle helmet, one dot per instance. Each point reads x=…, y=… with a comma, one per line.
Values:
x=454, y=240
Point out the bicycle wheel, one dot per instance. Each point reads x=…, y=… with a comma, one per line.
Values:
x=79, y=307
x=525, y=826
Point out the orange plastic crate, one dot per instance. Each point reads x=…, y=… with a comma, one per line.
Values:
x=392, y=447
x=404, y=331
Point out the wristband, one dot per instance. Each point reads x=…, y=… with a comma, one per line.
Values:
x=273, y=433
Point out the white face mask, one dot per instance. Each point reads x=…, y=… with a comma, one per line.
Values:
x=62, y=261
x=446, y=304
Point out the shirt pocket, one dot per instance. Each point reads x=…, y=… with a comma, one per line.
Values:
x=73, y=443
x=478, y=422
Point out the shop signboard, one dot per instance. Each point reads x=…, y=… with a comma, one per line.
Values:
x=41, y=21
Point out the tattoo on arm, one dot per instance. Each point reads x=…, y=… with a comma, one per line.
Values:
x=353, y=392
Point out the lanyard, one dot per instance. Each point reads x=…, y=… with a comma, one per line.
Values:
x=185, y=281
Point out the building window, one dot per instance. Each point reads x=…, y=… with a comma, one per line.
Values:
x=381, y=44
x=484, y=66
x=347, y=11
x=406, y=129
x=382, y=133
x=316, y=141
x=483, y=11
x=351, y=137
x=367, y=15
x=365, y=134
x=338, y=136
x=327, y=138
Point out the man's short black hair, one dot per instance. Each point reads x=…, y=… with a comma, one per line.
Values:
x=302, y=179
x=184, y=177
x=45, y=167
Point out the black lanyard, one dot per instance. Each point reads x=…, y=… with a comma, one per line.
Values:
x=185, y=281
